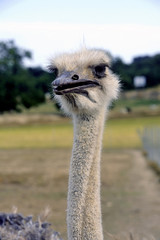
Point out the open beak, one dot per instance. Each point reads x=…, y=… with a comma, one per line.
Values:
x=69, y=82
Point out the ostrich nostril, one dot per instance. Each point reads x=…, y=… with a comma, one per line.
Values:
x=75, y=77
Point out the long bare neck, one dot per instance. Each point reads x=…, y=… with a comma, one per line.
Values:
x=84, y=208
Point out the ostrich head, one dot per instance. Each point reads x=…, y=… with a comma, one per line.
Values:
x=84, y=82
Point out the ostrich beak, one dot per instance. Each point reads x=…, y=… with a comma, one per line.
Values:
x=69, y=82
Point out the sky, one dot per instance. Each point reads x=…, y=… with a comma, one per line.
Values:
x=125, y=28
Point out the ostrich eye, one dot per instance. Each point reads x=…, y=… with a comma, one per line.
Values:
x=53, y=70
x=99, y=70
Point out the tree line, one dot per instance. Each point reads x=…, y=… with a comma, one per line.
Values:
x=24, y=87
x=20, y=86
x=147, y=66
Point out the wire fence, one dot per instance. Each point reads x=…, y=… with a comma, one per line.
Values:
x=150, y=137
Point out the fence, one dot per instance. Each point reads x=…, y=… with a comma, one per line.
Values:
x=150, y=138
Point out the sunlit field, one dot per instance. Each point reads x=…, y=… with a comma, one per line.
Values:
x=119, y=133
x=34, y=166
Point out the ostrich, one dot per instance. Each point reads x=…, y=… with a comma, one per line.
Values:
x=84, y=87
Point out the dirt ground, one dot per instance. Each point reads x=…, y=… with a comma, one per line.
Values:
x=132, y=203
x=32, y=179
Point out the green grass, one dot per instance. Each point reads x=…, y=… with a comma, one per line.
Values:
x=119, y=133
x=122, y=133
x=44, y=108
x=136, y=103
x=36, y=136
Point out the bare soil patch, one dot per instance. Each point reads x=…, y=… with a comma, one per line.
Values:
x=131, y=200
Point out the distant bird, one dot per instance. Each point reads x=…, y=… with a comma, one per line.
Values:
x=85, y=87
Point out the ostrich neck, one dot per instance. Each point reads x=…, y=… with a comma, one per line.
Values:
x=84, y=208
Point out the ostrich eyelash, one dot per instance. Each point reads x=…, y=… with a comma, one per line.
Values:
x=53, y=70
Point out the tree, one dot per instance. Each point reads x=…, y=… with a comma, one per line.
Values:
x=122, y=69
x=11, y=57
x=8, y=101
x=147, y=66
x=19, y=86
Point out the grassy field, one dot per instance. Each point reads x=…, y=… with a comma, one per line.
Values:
x=119, y=133
x=34, y=165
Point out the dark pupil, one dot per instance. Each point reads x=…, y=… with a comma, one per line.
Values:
x=100, y=69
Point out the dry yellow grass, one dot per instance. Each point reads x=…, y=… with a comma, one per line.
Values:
x=33, y=179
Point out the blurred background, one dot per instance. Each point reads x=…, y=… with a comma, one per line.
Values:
x=35, y=136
